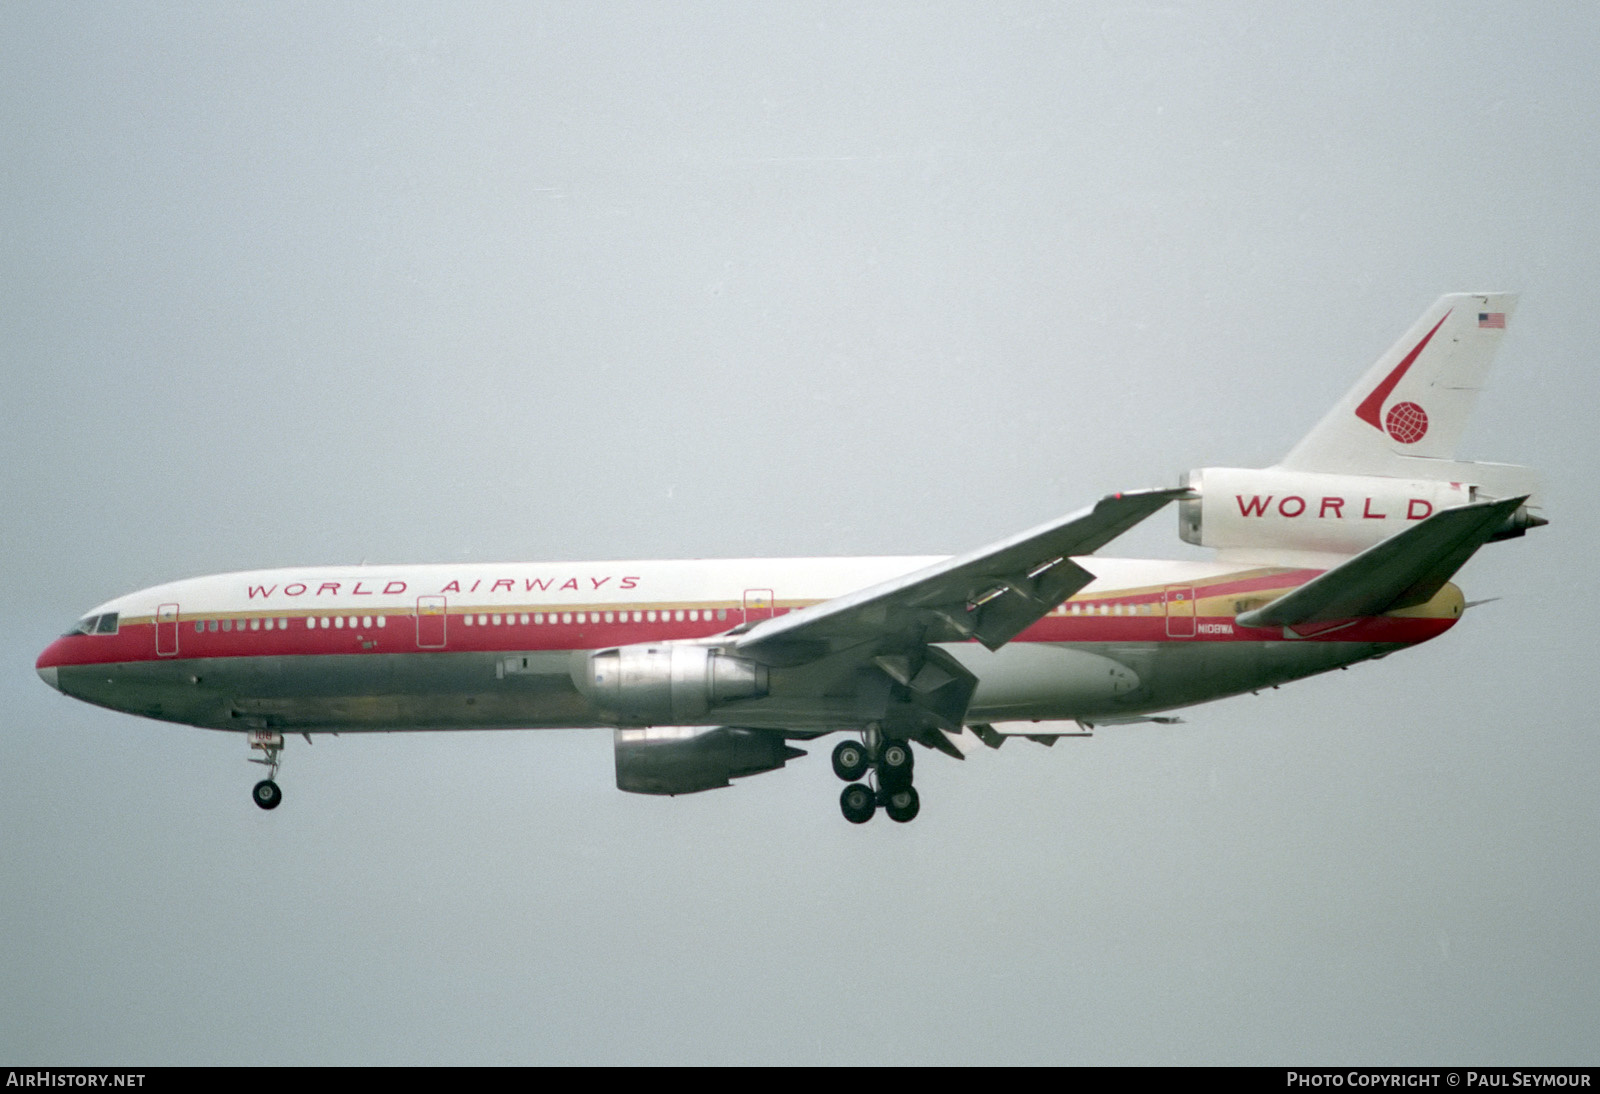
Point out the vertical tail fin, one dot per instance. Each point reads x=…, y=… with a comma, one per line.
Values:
x=1414, y=402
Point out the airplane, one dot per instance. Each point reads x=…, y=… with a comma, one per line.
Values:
x=707, y=671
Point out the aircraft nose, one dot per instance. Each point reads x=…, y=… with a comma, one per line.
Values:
x=46, y=666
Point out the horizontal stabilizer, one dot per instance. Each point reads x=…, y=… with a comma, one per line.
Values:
x=1401, y=572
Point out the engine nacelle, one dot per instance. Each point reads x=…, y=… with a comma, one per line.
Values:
x=1308, y=511
x=686, y=759
x=667, y=682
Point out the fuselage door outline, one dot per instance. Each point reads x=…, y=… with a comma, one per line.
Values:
x=167, y=630
x=433, y=620
x=1179, y=603
x=757, y=605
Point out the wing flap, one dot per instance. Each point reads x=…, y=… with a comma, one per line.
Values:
x=1402, y=571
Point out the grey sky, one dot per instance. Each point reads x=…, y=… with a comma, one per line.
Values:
x=389, y=283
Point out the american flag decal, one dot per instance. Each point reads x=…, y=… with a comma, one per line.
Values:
x=1491, y=320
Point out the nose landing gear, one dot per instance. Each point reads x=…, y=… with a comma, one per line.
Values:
x=266, y=793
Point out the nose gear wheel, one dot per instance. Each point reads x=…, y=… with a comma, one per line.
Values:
x=266, y=793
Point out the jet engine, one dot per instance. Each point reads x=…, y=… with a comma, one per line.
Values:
x=667, y=682
x=1234, y=507
x=686, y=759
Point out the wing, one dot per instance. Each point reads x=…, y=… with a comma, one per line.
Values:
x=879, y=644
x=991, y=594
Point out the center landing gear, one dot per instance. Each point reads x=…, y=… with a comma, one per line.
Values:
x=266, y=793
x=892, y=765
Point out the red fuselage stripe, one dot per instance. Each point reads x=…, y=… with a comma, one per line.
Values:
x=137, y=642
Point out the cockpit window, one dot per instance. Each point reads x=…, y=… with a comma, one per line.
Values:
x=96, y=624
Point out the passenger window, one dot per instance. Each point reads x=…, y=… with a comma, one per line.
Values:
x=381, y=619
x=722, y=615
x=199, y=625
x=538, y=618
x=211, y=625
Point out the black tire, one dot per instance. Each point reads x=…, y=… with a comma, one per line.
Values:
x=903, y=805
x=850, y=760
x=266, y=794
x=894, y=764
x=858, y=803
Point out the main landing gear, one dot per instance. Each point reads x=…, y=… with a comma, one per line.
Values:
x=266, y=793
x=892, y=763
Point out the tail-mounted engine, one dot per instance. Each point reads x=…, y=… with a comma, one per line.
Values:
x=666, y=682
x=1235, y=507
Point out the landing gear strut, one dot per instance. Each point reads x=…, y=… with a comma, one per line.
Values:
x=266, y=793
x=891, y=761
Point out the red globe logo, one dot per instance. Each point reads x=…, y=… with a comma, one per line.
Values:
x=1406, y=422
